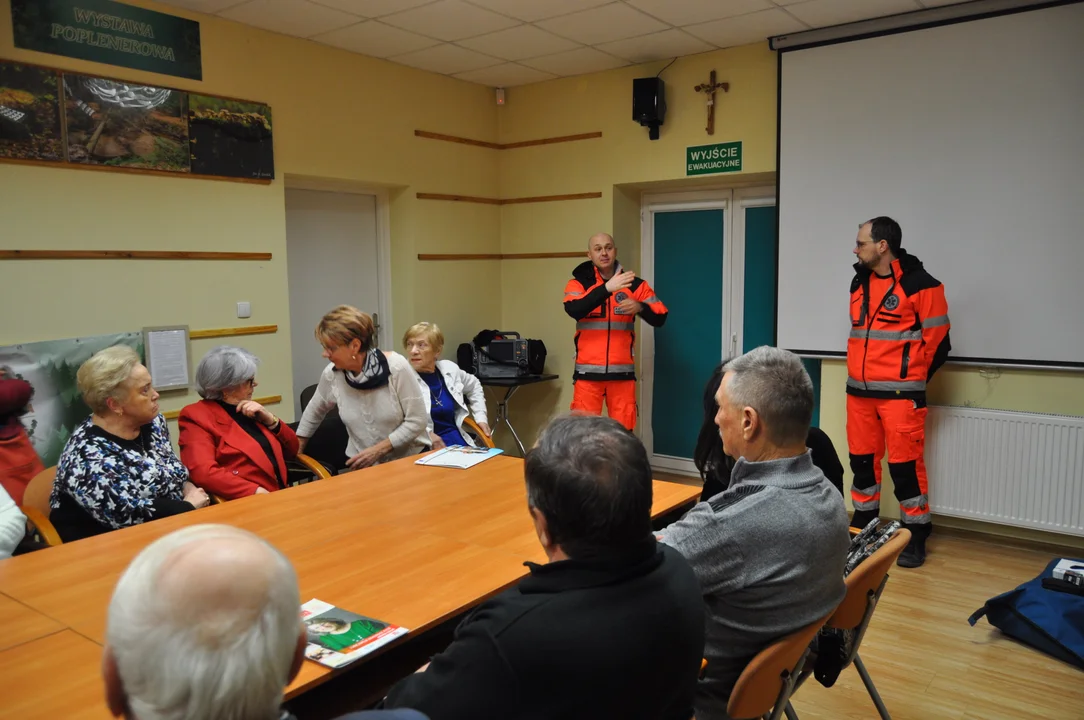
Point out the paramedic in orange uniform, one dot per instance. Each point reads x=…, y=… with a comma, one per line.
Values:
x=604, y=300
x=899, y=338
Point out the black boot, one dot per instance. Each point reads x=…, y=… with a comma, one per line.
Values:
x=862, y=518
x=914, y=555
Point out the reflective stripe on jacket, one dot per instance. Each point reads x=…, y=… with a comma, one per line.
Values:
x=899, y=331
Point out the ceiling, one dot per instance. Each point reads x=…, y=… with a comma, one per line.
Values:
x=502, y=43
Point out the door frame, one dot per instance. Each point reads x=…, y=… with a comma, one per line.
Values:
x=744, y=198
x=385, y=336
x=650, y=204
x=733, y=202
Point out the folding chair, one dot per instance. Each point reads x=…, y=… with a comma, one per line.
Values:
x=764, y=688
x=36, y=505
x=864, y=587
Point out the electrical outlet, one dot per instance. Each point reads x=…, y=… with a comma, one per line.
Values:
x=244, y=310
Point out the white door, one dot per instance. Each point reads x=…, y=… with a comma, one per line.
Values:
x=331, y=252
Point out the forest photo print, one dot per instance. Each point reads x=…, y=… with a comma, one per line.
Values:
x=30, y=113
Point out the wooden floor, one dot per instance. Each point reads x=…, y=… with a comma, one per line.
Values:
x=929, y=664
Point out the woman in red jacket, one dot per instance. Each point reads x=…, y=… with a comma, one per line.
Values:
x=18, y=461
x=232, y=445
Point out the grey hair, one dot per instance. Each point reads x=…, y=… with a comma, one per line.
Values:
x=233, y=663
x=224, y=367
x=591, y=479
x=775, y=384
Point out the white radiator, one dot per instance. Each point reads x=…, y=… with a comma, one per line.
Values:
x=1012, y=468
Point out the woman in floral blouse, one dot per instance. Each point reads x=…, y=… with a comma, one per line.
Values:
x=118, y=468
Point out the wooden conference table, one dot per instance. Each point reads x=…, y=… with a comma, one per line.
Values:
x=412, y=545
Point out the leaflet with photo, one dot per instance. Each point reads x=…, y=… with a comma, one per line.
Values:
x=338, y=637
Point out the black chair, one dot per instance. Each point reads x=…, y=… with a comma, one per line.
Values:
x=328, y=444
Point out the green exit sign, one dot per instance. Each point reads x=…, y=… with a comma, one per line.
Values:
x=709, y=159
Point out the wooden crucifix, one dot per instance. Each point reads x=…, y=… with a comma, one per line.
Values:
x=709, y=89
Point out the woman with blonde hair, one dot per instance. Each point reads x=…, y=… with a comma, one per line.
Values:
x=118, y=468
x=450, y=393
x=376, y=393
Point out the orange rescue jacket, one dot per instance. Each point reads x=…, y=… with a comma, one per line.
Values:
x=899, y=331
x=605, y=340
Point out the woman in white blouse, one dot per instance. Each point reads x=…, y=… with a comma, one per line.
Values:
x=450, y=393
x=376, y=392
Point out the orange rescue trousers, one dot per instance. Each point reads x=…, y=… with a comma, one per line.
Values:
x=620, y=396
x=873, y=423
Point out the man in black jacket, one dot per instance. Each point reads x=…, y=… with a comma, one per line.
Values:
x=611, y=627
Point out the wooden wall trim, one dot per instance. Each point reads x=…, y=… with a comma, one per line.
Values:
x=269, y=400
x=507, y=146
x=131, y=171
x=456, y=139
x=234, y=331
x=509, y=201
x=502, y=256
x=128, y=255
x=552, y=198
x=459, y=198
x=551, y=140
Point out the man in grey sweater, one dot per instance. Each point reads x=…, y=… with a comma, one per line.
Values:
x=769, y=551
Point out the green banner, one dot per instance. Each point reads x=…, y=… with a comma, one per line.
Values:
x=109, y=32
x=708, y=159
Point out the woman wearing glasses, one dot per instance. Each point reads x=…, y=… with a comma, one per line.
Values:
x=375, y=391
x=233, y=446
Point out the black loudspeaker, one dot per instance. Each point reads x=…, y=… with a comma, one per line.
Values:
x=649, y=103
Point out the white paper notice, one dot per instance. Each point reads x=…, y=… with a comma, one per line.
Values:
x=167, y=351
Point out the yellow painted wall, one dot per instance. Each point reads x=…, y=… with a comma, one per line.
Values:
x=336, y=115
x=622, y=163
x=617, y=164
x=351, y=119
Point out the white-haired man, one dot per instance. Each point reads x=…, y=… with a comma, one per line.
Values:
x=769, y=551
x=205, y=624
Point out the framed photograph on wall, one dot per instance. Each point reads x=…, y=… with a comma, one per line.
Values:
x=230, y=138
x=169, y=357
x=30, y=113
x=120, y=124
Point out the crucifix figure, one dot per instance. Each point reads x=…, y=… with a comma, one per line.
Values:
x=709, y=89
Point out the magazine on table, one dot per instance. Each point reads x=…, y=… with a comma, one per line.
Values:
x=338, y=637
x=458, y=456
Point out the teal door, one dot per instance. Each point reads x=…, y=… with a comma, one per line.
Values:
x=689, y=280
x=758, y=316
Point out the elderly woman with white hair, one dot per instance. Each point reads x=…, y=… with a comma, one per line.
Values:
x=232, y=445
x=451, y=394
x=118, y=467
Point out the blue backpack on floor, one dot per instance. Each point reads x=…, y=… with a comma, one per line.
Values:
x=1046, y=619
